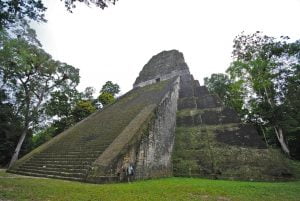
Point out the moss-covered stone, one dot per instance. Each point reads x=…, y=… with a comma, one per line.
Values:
x=198, y=153
x=212, y=142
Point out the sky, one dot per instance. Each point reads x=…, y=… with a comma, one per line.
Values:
x=115, y=43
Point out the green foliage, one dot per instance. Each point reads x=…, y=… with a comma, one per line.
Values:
x=231, y=92
x=70, y=107
x=14, y=11
x=82, y=109
x=31, y=75
x=108, y=92
x=262, y=85
x=11, y=11
x=99, y=3
x=88, y=93
x=170, y=189
x=42, y=137
x=60, y=104
x=110, y=88
x=218, y=84
x=268, y=69
x=106, y=98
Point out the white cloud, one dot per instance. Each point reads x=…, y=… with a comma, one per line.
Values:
x=115, y=43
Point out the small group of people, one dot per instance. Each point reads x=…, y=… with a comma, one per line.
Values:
x=127, y=173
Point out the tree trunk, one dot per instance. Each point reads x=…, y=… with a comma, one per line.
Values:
x=278, y=130
x=18, y=148
x=263, y=131
x=280, y=137
x=268, y=98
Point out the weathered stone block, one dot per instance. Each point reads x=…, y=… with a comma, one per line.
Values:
x=208, y=117
x=201, y=91
x=245, y=136
x=186, y=92
x=228, y=116
x=209, y=101
x=185, y=121
x=187, y=103
x=196, y=83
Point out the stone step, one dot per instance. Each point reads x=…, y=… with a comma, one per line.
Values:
x=200, y=91
x=207, y=101
x=83, y=144
x=99, y=141
x=74, y=148
x=72, y=152
x=47, y=162
x=208, y=117
x=95, y=155
x=36, y=159
x=186, y=103
x=55, y=172
x=45, y=175
x=49, y=168
x=63, y=166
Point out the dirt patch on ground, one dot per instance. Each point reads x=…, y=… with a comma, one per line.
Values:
x=196, y=196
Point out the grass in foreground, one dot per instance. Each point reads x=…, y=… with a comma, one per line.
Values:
x=13, y=187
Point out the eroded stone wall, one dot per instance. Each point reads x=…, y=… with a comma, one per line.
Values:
x=155, y=150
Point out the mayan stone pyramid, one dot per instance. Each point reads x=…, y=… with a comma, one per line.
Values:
x=167, y=125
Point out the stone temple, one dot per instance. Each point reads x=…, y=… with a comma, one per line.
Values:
x=167, y=125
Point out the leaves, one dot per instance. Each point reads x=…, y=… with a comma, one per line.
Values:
x=71, y=4
x=11, y=11
x=106, y=98
x=263, y=85
x=30, y=76
x=267, y=66
x=110, y=88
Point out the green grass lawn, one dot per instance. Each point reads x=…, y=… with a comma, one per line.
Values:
x=13, y=187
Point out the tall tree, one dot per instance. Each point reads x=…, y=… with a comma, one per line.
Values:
x=31, y=75
x=264, y=64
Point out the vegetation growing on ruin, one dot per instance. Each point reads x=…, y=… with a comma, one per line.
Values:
x=198, y=153
x=192, y=112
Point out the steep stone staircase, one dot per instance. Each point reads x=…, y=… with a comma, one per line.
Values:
x=65, y=160
x=70, y=155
